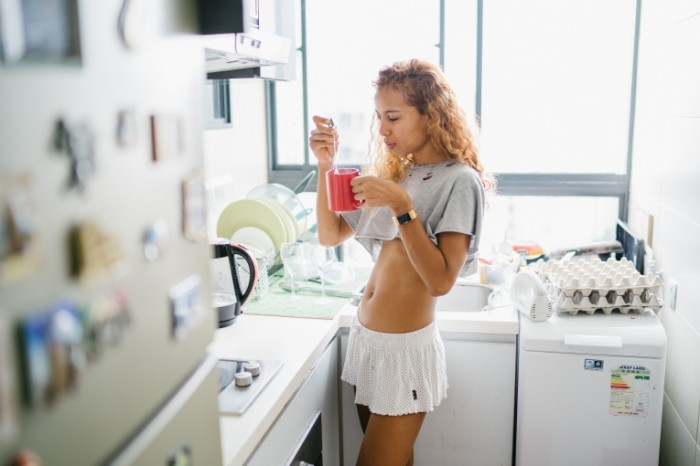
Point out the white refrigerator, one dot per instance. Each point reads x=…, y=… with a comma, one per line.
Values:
x=590, y=390
x=105, y=312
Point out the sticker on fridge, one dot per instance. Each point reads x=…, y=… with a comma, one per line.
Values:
x=629, y=391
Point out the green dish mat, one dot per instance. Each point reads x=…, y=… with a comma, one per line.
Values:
x=276, y=301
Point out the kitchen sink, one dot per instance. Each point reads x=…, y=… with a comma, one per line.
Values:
x=465, y=297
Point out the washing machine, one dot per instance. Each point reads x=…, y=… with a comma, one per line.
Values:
x=590, y=390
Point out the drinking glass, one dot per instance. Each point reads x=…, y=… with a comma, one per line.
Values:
x=322, y=258
x=292, y=255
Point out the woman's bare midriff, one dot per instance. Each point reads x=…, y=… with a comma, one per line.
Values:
x=395, y=299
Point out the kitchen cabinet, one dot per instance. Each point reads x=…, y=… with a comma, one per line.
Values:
x=318, y=393
x=474, y=425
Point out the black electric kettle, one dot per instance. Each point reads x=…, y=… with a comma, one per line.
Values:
x=235, y=273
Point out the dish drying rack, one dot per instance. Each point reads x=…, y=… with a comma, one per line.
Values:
x=275, y=264
x=594, y=285
x=267, y=266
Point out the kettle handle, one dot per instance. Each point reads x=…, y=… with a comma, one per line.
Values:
x=235, y=249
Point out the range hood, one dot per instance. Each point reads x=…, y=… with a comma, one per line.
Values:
x=243, y=50
x=248, y=38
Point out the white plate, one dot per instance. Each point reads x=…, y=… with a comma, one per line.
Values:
x=287, y=198
x=289, y=222
x=252, y=213
x=256, y=239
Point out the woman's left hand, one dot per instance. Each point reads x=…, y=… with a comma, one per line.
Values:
x=375, y=192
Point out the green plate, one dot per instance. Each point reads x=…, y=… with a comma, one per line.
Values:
x=287, y=217
x=287, y=198
x=252, y=213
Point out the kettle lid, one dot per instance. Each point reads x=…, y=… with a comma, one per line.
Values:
x=220, y=247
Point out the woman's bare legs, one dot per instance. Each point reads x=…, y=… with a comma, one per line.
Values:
x=388, y=440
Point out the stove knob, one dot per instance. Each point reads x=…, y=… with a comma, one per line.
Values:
x=252, y=367
x=243, y=379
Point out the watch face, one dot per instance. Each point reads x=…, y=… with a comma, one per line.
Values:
x=403, y=218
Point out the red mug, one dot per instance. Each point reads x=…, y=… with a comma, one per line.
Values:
x=340, y=195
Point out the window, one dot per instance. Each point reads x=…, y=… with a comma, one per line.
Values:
x=552, y=84
x=558, y=85
x=217, y=104
x=341, y=46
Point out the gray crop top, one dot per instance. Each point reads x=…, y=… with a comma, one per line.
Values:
x=447, y=196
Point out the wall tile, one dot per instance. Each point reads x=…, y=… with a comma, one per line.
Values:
x=646, y=182
x=677, y=445
x=682, y=384
x=679, y=163
x=683, y=73
x=677, y=251
x=697, y=444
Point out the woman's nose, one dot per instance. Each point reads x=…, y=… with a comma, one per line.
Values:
x=383, y=129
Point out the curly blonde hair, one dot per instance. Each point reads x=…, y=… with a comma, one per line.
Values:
x=424, y=87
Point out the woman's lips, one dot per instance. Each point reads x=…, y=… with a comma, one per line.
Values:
x=390, y=145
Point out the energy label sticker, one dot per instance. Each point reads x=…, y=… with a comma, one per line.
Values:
x=629, y=391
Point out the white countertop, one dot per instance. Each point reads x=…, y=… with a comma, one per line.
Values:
x=299, y=343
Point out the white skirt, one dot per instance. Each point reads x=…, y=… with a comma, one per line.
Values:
x=396, y=373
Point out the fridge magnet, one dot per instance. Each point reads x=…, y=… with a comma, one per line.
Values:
x=9, y=427
x=166, y=137
x=194, y=209
x=154, y=239
x=132, y=23
x=19, y=249
x=105, y=321
x=127, y=128
x=181, y=457
x=629, y=391
x=185, y=305
x=39, y=31
x=24, y=457
x=93, y=251
x=77, y=142
x=53, y=352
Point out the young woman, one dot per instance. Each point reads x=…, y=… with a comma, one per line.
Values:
x=421, y=221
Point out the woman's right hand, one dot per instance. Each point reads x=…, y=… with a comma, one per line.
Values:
x=323, y=140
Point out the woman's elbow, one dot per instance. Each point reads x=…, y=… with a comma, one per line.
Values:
x=327, y=239
x=440, y=289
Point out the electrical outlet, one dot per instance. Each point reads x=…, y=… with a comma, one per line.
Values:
x=671, y=293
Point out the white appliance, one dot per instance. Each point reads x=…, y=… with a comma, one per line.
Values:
x=530, y=297
x=590, y=390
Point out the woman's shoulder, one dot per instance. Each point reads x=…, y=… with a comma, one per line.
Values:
x=463, y=173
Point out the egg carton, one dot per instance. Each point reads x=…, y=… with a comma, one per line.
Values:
x=608, y=310
x=606, y=303
x=592, y=285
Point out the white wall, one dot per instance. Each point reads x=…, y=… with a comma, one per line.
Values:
x=235, y=159
x=666, y=184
